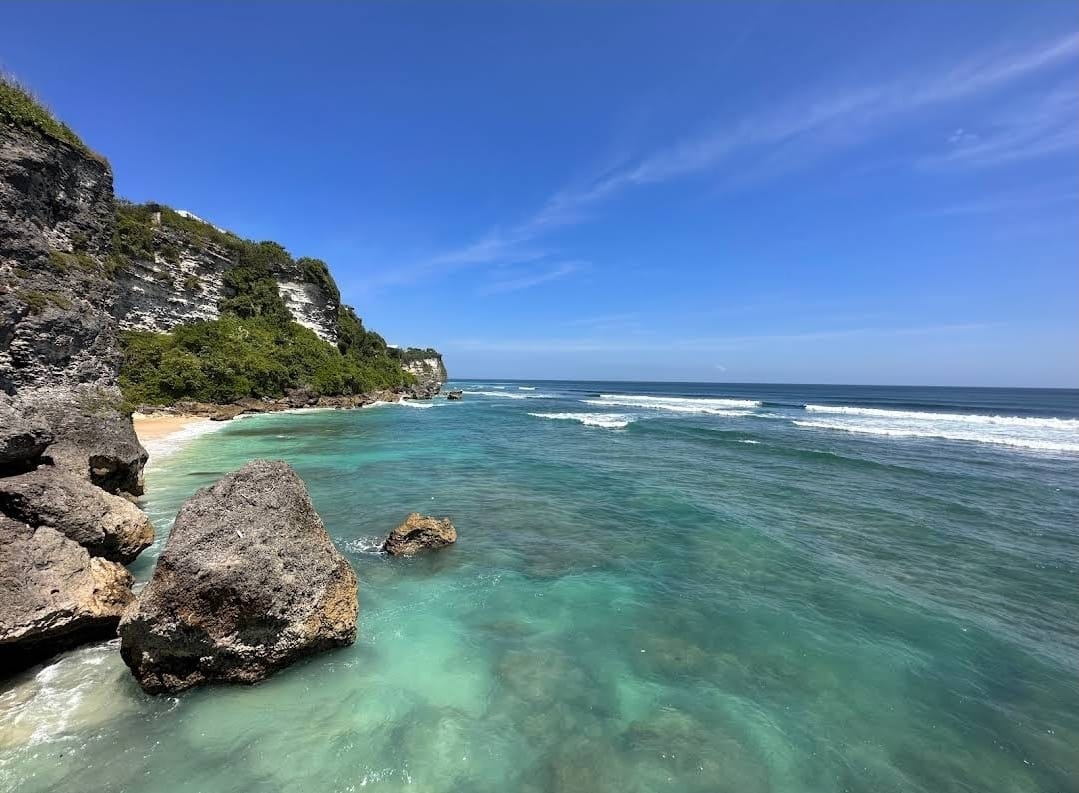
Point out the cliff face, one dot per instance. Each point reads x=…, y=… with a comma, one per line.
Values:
x=56, y=227
x=185, y=280
x=428, y=370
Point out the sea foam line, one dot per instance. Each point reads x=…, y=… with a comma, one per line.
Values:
x=710, y=406
x=969, y=418
x=1040, y=444
x=610, y=421
x=166, y=445
x=509, y=395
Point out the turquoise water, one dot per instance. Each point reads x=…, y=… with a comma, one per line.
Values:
x=685, y=588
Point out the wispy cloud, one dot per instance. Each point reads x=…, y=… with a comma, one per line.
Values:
x=528, y=280
x=806, y=128
x=706, y=343
x=1035, y=127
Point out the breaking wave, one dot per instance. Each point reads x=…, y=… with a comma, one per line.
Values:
x=610, y=421
x=712, y=407
x=1042, y=434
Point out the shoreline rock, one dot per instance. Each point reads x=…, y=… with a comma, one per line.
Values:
x=53, y=594
x=420, y=533
x=249, y=582
x=104, y=524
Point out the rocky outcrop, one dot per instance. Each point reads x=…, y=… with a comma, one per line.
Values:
x=56, y=227
x=427, y=367
x=249, y=582
x=455, y=395
x=104, y=524
x=53, y=594
x=184, y=280
x=22, y=439
x=420, y=533
x=93, y=436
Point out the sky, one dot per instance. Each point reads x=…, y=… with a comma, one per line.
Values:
x=770, y=192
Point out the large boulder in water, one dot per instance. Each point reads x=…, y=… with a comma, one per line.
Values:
x=104, y=524
x=420, y=533
x=53, y=594
x=249, y=582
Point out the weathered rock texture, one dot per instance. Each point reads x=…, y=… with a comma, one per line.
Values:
x=429, y=371
x=53, y=594
x=22, y=439
x=104, y=524
x=56, y=226
x=249, y=582
x=420, y=533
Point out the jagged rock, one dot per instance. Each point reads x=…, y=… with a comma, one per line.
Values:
x=427, y=367
x=225, y=412
x=53, y=594
x=56, y=228
x=299, y=397
x=454, y=394
x=93, y=436
x=22, y=440
x=249, y=582
x=420, y=533
x=104, y=524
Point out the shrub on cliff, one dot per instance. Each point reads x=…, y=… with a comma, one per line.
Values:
x=19, y=107
x=233, y=357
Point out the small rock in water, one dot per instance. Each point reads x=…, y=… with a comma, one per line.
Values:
x=454, y=394
x=420, y=533
x=248, y=583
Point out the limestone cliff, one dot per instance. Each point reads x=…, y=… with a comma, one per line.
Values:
x=181, y=275
x=425, y=365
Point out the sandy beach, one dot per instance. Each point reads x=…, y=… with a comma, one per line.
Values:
x=162, y=433
x=157, y=427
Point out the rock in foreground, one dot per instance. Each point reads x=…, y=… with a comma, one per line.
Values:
x=420, y=533
x=53, y=594
x=104, y=524
x=249, y=582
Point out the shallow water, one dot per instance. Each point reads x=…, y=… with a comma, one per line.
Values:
x=689, y=588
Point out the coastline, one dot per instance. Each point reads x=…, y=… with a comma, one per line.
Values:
x=161, y=434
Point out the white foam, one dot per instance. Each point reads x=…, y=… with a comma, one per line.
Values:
x=610, y=421
x=954, y=430
x=966, y=418
x=160, y=448
x=526, y=388
x=751, y=443
x=413, y=404
x=365, y=545
x=509, y=395
x=710, y=406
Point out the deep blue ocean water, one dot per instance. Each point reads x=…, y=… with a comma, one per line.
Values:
x=680, y=587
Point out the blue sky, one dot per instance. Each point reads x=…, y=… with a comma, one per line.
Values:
x=791, y=192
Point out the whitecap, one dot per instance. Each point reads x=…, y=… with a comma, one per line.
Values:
x=610, y=421
x=713, y=406
x=1039, y=439
x=509, y=395
x=966, y=418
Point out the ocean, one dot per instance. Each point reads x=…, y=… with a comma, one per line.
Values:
x=681, y=587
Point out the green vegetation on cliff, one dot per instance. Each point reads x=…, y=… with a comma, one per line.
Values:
x=254, y=349
x=233, y=357
x=19, y=107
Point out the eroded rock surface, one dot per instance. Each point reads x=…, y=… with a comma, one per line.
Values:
x=104, y=524
x=53, y=594
x=420, y=533
x=249, y=582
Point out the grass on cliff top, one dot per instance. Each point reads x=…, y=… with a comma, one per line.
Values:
x=19, y=107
